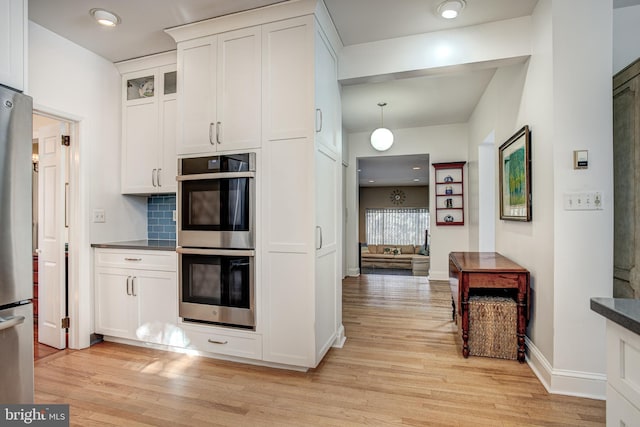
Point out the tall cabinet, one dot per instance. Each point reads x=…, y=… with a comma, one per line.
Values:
x=13, y=47
x=626, y=187
x=298, y=121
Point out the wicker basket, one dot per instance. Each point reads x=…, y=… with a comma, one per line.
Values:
x=493, y=327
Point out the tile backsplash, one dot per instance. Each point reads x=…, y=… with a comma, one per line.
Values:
x=161, y=225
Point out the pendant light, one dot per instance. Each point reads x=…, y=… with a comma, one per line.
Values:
x=382, y=138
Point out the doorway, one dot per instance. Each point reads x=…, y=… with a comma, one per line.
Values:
x=393, y=214
x=51, y=225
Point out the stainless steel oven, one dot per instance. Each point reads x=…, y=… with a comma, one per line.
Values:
x=216, y=201
x=217, y=286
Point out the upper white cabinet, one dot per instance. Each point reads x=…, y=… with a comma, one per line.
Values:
x=219, y=79
x=13, y=22
x=149, y=111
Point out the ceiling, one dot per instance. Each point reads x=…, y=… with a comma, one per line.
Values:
x=411, y=102
x=399, y=171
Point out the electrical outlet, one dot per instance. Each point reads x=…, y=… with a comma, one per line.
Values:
x=99, y=215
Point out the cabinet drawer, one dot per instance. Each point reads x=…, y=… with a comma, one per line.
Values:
x=623, y=362
x=138, y=259
x=222, y=341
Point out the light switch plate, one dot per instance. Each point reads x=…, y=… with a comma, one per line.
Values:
x=587, y=201
x=99, y=215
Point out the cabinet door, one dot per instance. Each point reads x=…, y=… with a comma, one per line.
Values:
x=140, y=133
x=13, y=19
x=197, y=103
x=156, y=295
x=115, y=310
x=327, y=95
x=168, y=166
x=239, y=89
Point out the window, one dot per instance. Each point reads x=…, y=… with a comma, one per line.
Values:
x=398, y=226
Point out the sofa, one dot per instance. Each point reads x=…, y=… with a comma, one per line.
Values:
x=392, y=256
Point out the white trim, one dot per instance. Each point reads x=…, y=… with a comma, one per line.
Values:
x=560, y=381
x=340, y=338
x=353, y=272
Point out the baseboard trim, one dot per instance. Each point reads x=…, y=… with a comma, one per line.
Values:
x=353, y=272
x=438, y=275
x=562, y=381
x=340, y=338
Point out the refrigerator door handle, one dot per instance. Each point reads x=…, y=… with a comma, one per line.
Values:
x=10, y=322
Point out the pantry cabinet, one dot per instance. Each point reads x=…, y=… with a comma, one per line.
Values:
x=149, y=112
x=13, y=21
x=136, y=295
x=302, y=153
x=219, y=77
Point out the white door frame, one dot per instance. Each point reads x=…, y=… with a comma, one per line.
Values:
x=80, y=307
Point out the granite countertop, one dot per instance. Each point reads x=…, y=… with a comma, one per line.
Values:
x=623, y=311
x=157, y=245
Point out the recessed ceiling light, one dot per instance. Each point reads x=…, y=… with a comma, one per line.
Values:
x=416, y=168
x=416, y=180
x=104, y=17
x=451, y=8
x=371, y=180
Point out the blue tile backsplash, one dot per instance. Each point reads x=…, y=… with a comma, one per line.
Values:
x=161, y=225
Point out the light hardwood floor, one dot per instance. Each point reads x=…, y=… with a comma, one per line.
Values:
x=401, y=365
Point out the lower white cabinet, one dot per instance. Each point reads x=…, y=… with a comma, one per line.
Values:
x=623, y=376
x=136, y=296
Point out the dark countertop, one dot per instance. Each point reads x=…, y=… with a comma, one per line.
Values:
x=156, y=245
x=623, y=311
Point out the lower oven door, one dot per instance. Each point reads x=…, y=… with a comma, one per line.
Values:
x=217, y=286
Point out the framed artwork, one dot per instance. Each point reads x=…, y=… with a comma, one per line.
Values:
x=515, y=177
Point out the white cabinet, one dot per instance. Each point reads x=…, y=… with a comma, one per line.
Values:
x=13, y=21
x=136, y=295
x=219, y=81
x=623, y=376
x=149, y=112
x=301, y=163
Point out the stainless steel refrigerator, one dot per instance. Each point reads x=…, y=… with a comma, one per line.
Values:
x=16, y=276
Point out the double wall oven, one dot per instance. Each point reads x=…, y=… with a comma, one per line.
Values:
x=216, y=239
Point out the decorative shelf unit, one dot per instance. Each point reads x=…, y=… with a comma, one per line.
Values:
x=449, y=191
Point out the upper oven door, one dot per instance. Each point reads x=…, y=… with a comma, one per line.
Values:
x=217, y=210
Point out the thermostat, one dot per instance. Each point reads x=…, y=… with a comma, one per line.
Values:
x=581, y=159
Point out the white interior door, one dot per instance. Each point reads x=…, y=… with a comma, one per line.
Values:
x=51, y=236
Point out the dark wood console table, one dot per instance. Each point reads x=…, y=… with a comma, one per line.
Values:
x=485, y=272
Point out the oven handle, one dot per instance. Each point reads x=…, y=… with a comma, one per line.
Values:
x=222, y=252
x=221, y=175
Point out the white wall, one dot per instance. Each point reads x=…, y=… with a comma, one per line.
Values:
x=626, y=33
x=443, y=144
x=565, y=95
x=583, y=241
x=75, y=83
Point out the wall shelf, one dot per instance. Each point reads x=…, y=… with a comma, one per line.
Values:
x=449, y=192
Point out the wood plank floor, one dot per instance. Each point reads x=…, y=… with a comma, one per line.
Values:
x=401, y=366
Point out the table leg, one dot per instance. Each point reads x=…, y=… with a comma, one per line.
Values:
x=453, y=309
x=522, y=305
x=465, y=324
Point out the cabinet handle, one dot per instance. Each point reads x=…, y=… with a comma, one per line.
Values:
x=218, y=127
x=217, y=342
x=158, y=177
x=133, y=259
x=211, y=125
x=319, y=229
x=128, y=285
x=154, y=175
x=133, y=286
x=320, y=122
